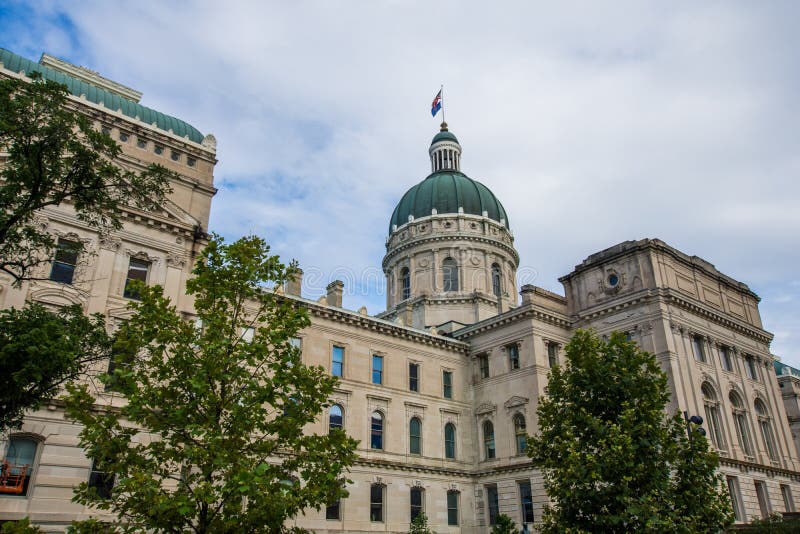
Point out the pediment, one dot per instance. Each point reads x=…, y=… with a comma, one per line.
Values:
x=485, y=409
x=515, y=401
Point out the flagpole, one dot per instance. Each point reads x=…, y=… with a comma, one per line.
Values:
x=441, y=90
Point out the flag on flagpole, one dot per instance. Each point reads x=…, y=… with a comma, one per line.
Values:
x=437, y=104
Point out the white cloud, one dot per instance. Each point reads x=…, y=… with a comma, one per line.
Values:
x=593, y=123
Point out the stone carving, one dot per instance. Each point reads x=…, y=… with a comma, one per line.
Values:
x=176, y=260
x=485, y=409
x=514, y=402
x=109, y=242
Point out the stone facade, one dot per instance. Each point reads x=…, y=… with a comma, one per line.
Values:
x=452, y=372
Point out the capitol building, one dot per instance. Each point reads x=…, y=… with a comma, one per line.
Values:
x=442, y=387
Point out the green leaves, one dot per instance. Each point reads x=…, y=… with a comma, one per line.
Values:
x=41, y=350
x=212, y=438
x=55, y=155
x=612, y=460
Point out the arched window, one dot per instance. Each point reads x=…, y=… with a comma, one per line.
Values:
x=742, y=428
x=335, y=418
x=450, y=272
x=405, y=278
x=520, y=434
x=376, y=430
x=488, y=440
x=450, y=441
x=765, y=424
x=20, y=455
x=415, y=436
x=417, y=502
x=713, y=419
x=496, y=280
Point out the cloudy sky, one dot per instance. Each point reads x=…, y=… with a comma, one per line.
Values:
x=594, y=123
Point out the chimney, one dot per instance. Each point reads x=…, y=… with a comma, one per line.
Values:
x=293, y=286
x=527, y=292
x=335, y=290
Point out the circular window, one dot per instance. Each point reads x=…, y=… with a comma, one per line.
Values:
x=613, y=279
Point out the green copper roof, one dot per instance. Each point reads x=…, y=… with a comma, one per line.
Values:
x=447, y=191
x=16, y=63
x=444, y=136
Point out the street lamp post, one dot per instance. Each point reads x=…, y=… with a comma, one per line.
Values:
x=693, y=425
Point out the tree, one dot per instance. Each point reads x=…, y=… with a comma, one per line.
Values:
x=40, y=351
x=612, y=459
x=504, y=525
x=419, y=525
x=212, y=436
x=53, y=155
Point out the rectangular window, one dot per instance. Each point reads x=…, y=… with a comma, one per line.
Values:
x=417, y=502
x=492, y=504
x=697, y=348
x=101, y=481
x=452, y=508
x=513, y=356
x=763, y=498
x=64, y=263
x=736, y=503
x=447, y=384
x=552, y=354
x=137, y=272
x=750, y=367
x=20, y=455
x=725, y=358
x=334, y=511
x=248, y=333
x=483, y=365
x=376, y=503
x=526, y=501
x=377, y=369
x=413, y=377
x=337, y=361
x=788, y=502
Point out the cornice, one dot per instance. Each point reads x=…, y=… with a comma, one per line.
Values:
x=374, y=463
x=454, y=236
x=528, y=311
x=670, y=296
x=752, y=466
x=381, y=326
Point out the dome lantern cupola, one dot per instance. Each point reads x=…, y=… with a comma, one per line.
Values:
x=450, y=257
x=445, y=151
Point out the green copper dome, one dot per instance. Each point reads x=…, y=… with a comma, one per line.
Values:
x=446, y=191
x=162, y=121
x=444, y=136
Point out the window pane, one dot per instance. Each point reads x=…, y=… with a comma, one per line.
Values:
x=725, y=356
x=520, y=433
x=493, y=504
x=450, y=272
x=413, y=377
x=415, y=436
x=332, y=511
x=488, y=440
x=496, y=288
x=416, y=502
x=552, y=354
x=101, y=481
x=376, y=503
x=66, y=258
x=447, y=384
x=733, y=491
x=513, y=356
x=20, y=455
x=697, y=348
x=449, y=441
x=452, y=508
x=137, y=270
x=376, y=434
x=336, y=418
x=526, y=501
x=763, y=498
x=337, y=361
x=483, y=363
x=406, y=283
x=788, y=502
x=377, y=369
